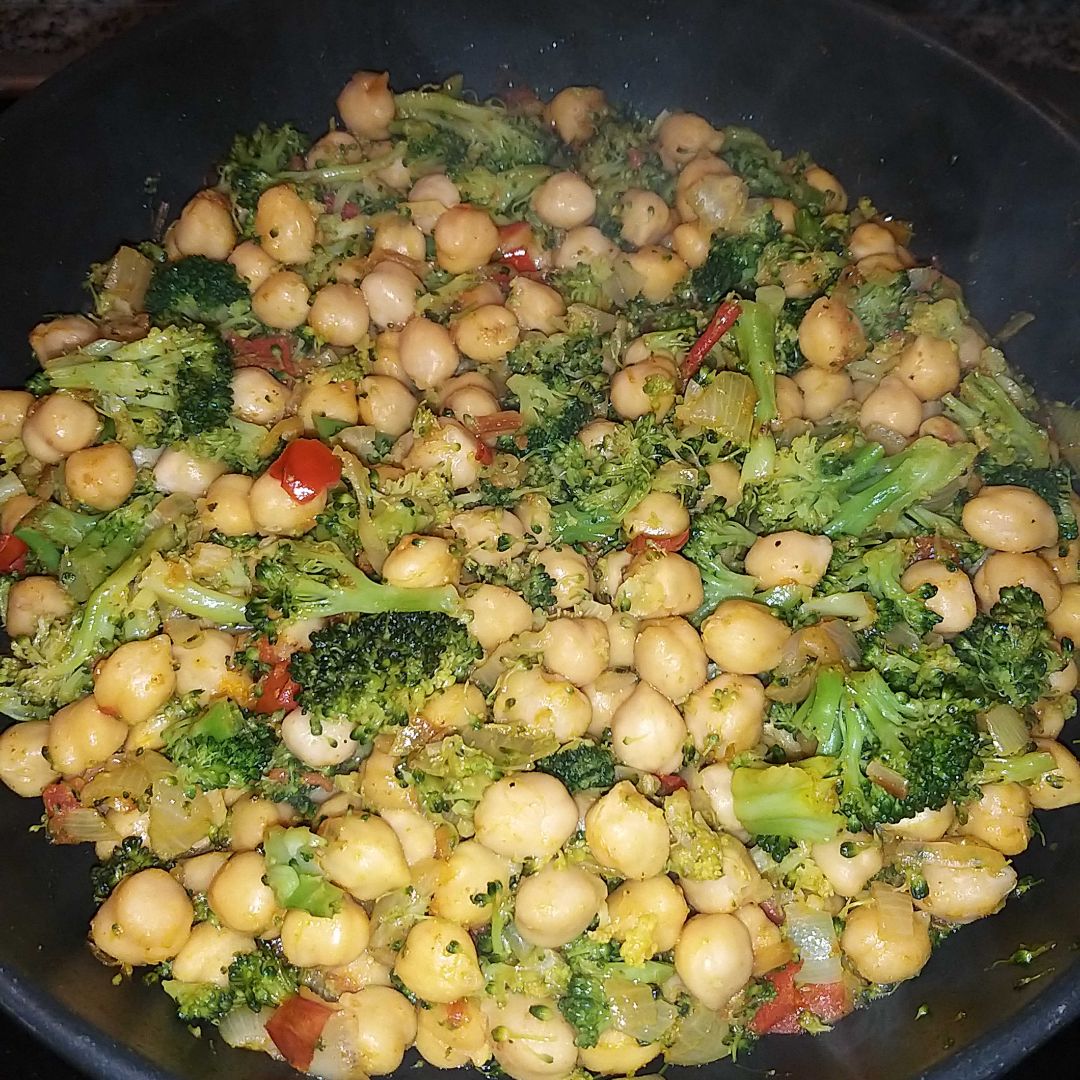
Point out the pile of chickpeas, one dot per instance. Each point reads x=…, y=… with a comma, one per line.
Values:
x=617, y=659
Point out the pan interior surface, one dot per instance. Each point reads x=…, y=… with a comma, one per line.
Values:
x=992, y=188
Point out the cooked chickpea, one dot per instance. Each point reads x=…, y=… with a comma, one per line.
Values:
x=1064, y=617
x=655, y=904
x=954, y=600
x=453, y=1036
x=669, y=656
x=570, y=574
x=564, y=200
x=368, y=1034
x=14, y=509
x=789, y=399
x=285, y=225
x=203, y=664
x=715, y=201
x=658, y=584
x=429, y=197
x=386, y=404
x=683, y=136
x=225, y=506
x=32, y=601
x=644, y=218
x=399, y=236
x=311, y=941
x=146, y=920
x=363, y=855
x=1010, y=518
x=824, y=181
x=450, y=448
x=823, y=391
x=277, y=513
x=627, y=833
x=556, y=904
x=610, y=572
x=205, y=227
x=925, y=825
x=208, y=953
x=572, y=112
x=390, y=291
x=239, y=896
x=605, y=696
x=540, y=702
x=530, y=1038
x=690, y=241
x=421, y=562
x=379, y=786
x=248, y=820
x=659, y=271
x=468, y=872
x=438, y=961
x=711, y=788
x=490, y=536
x=830, y=336
x=659, y=514
x=1000, y=817
x=1064, y=560
x=891, y=405
x=258, y=397
x=689, y=181
x=58, y=337
x=24, y=768
x=771, y=950
x=724, y=484
x=136, y=680
x=366, y=104
x=536, y=306
x=14, y=405
x=498, y=613
x=929, y=366
x=725, y=716
x=334, y=400
x=968, y=891
x=252, y=264
x=465, y=239
x=714, y=957
x=744, y=637
x=458, y=706
x=585, y=244
x=179, y=471
x=526, y=815
x=789, y=558
x=870, y=238
x=849, y=874
x=876, y=953
x=58, y=425
x=427, y=353
x=576, y=649
x=332, y=745
x=941, y=427
x=281, y=301
x=472, y=402
x=1003, y=569
x=339, y=315
x=648, y=732
x=81, y=736
x=486, y=333
x=415, y=833
x=1062, y=786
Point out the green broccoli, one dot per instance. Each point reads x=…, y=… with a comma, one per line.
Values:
x=174, y=383
x=198, y=290
x=505, y=194
x=765, y=171
x=882, y=303
x=220, y=747
x=787, y=802
x=263, y=978
x=449, y=777
x=1054, y=485
x=171, y=583
x=755, y=338
x=983, y=408
x=128, y=857
x=294, y=874
x=197, y=1002
x=733, y=259
x=244, y=447
x=717, y=546
x=582, y=767
x=255, y=162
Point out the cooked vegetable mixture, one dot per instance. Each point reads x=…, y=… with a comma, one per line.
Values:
x=548, y=587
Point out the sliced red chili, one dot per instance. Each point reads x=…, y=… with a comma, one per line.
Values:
x=783, y=1015
x=516, y=242
x=484, y=454
x=296, y=1027
x=305, y=469
x=12, y=553
x=724, y=318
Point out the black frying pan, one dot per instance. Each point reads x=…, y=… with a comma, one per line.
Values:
x=992, y=185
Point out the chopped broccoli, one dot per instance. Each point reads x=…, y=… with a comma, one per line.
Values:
x=733, y=259
x=878, y=569
x=198, y=290
x=765, y=171
x=1054, y=485
x=171, y=583
x=263, y=978
x=197, y=1002
x=755, y=337
x=716, y=541
x=294, y=874
x=787, y=802
x=449, y=777
x=882, y=303
x=989, y=417
x=377, y=670
x=128, y=857
x=255, y=162
x=244, y=447
x=505, y=194
x=697, y=852
x=581, y=767
x=220, y=747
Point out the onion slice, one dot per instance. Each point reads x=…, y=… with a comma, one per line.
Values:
x=814, y=937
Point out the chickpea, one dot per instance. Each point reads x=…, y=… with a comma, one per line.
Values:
x=335, y=400
x=339, y=315
x=14, y=405
x=929, y=366
x=970, y=891
x=438, y=961
x=954, y=600
x=178, y=471
x=564, y=200
x=366, y=105
x=693, y=172
x=32, y=601
x=653, y=908
x=617, y=1053
x=784, y=211
x=1010, y=518
x=595, y=433
x=849, y=874
x=570, y=574
x=925, y=825
x=531, y=1040
x=468, y=872
x=556, y=904
x=415, y=833
x=891, y=405
x=249, y=819
x=526, y=815
x=421, y=562
x=830, y=336
x=24, y=768
x=659, y=270
x=429, y=197
x=367, y=1035
x=536, y=306
x=726, y=715
x=465, y=239
x=659, y=514
x=498, y=613
x=941, y=427
x=136, y=680
x=683, y=136
x=873, y=951
x=81, y=736
x=724, y=484
x=644, y=218
x=458, y=706
x=310, y=941
x=648, y=732
x=203, y=664
x=770, y=949
x=1064, y=560
x=472, y=402
x=276, y=513
x=1000, y=818
x=208, y=953
x=714, y=957
x=490, y=536
x=836, y=197
x=399, y=236
x=285, y=225
x=870, y=238
x=252, y=264
x=225, y=507
x=58, y=337
x=146, y=920
x=627, y=833
x=240, y=897
x=610, y=573
x=453, y=1036
x=538, y=701
x=363, y=855
x=789, y=399
x=1064, y=618
x=390, y=291
x=605, y=696
x=379, y=786
x=823, y=391
x=386, y=405
x=427, y=353
x=789, y=558
x=690, y=241
x=333, y=744
x=486, y=333
x=1003, y=569
x=585, y=244
x=1062, y=786
x=711, y=794
x=258, y=397
x=205, y=227
x=744, y=637
x=572, y=112
x=576, y=648
x=660, y=583
x=281, y=301
x=669, y=656
x=58, y=425
x=449, y=447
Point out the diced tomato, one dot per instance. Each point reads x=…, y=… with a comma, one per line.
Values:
x=59, y=798
x=781, y=1016
x=635, y=158
x=306, y=468
x=12, y=554
x=278, y=690
x=497, y=423
x=274, y=352
x=670, y=783
x=349, y=211
x=484, y=454
x=661, y=543
x=296, y=1027
x=516, y=242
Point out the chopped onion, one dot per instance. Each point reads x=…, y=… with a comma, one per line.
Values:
x=509, y=749
x=129, y=777
x=702, y=1036
x=888, y=779
x=337, y=1051
x=823, y=644
x=179, y=823
x=635, y=1012
x=814, y=937
x=772, y=297
x=246, y=1030
x=856, y=607
x=725, y=406
x=395, y=913
x=957, y=854
x=1006, y=726
x=81, y=826
x=895, y=912
x=10, y=486
x=124, y=288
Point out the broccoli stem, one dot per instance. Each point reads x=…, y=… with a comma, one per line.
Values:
x=755, y=335
x=788, y=801
x=170, y=582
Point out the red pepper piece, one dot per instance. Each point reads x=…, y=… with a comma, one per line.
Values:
x=305, y=469
x=296, y=1027
x=723, y=320
x=12, y=554
x=278, y=690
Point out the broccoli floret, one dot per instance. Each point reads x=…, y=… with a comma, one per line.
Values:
x=878, y=570
x=787, y=802
x=584, y=1007
x=1010, y=653
x=882, y=303
x=174, y=383
x=377, y=670
x=197, y=1002
x=220, y=747
x=171, y=583
x=263, y=978
x=733, y=259
x=581, y=767
x=128, y=857
x=255, y=162
x=989, y=417
x=294, y=874
x=1054, y=485
x=697, y=851
x=583, y=284
x=505, y=195
x=716, y=542
x=449, y=777
x=198, y=290
x=765, y=171
x=242, y=446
